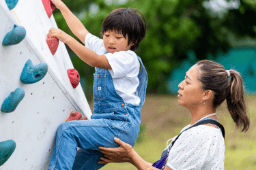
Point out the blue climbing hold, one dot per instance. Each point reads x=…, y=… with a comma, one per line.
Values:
x=12, y=101
x=15, y=36
x=33, y=73
x=6, y=150
x=11, y=3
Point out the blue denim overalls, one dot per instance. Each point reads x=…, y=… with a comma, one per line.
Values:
x=112, y=118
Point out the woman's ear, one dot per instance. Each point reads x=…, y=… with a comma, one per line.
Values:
x=208, y=94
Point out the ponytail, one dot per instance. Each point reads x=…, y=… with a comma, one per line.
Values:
x=215, y=77
x=236, y=102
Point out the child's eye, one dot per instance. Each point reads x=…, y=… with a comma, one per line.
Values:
x=106, y=35
x=118, y=37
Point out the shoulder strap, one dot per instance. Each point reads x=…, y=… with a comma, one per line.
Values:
x=201, y=123
x=214, y=123
x=143, y=79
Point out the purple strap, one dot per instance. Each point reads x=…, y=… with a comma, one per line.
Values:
x=160, y=163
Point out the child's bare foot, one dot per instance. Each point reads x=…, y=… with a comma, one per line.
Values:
x=74, y=116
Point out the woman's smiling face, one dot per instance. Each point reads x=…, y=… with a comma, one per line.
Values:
x=190, y=92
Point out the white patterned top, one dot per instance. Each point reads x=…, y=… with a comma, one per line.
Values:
x=201, y=147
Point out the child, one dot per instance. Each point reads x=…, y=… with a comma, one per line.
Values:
x=119, y=88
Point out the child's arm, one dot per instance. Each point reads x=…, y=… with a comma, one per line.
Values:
x=84, y=53
x=73, y=22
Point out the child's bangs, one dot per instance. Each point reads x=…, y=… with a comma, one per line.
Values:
x=113, y=24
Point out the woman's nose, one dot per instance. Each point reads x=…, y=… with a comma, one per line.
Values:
x=180, y=85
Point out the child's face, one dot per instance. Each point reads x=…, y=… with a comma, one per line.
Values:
x=114, y=41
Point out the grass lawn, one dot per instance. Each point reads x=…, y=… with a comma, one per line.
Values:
x=162, y=118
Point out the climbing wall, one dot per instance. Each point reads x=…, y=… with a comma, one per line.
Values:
x=36, y=93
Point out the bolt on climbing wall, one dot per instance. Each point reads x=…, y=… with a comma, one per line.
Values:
x=38, y=85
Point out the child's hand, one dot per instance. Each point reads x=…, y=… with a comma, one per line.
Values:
x=56, y=3
x=61, y=35
x=84, y=118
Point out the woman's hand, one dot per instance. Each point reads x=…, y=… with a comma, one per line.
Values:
x=123, y=153
x=61, y=35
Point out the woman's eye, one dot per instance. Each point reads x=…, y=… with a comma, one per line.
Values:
x=118, y=37
x=186, y=82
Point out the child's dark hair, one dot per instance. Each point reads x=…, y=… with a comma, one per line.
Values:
x=129, y=22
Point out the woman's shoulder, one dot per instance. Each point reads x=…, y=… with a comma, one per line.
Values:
x=199, y=138
x=201, y=146
x=203, y=133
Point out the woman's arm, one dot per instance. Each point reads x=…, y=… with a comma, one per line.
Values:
x=125, y=153
x=84, y=53
x=73, y=22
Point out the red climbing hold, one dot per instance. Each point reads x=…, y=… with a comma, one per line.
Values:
x=48, y=6
x=74, y=77
x=52, y=43
x=74, y=116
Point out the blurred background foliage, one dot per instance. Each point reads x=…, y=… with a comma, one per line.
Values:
x=174, y=27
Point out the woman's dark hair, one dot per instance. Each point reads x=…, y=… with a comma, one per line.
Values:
x=214, y=76
x=127, y=21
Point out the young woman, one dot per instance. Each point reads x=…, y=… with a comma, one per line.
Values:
x=206, y=85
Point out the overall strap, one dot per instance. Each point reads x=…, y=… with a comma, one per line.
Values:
x=143, y=79
x=202, y=123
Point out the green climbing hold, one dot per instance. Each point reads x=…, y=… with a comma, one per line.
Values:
x=6, y=150
x=33, y=73
x=15, y=36
x=11, y=3
x=12, y=101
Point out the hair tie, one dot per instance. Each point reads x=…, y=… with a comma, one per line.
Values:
x=228, y=73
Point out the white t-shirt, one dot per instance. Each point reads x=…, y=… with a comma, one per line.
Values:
x=125, y=69
x=199, y=148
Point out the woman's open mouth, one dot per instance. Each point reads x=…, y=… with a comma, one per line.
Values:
x=179, y=95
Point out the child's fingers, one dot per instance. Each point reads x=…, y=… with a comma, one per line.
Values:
x=52, y=32
x=84, y=118
x=73, y=113
x=55, y=2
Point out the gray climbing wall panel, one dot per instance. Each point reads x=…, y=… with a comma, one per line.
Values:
x=48, y=102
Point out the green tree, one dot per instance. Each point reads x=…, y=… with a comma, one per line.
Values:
x=173, y=28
